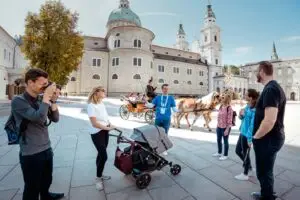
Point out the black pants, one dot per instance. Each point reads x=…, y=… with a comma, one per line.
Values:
x=265, y=152
x=243, y=151
x=100, y=141
x=37, y=173
x=220, y=135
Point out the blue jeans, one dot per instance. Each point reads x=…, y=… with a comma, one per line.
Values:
x=220, y=135
x=164, y=123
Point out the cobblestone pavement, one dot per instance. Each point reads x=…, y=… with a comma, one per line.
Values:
x=202, y=177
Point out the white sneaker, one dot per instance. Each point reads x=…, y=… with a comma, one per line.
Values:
x=165, y=153
x=242, y=177
x=99, y=184
x=252, y=172
x=105, y=178
x=223, y=158
x=217, y=155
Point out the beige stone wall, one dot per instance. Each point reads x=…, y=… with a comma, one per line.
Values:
x=182, y=77
x=238, y=84
x=3, y=82
x=84, y=81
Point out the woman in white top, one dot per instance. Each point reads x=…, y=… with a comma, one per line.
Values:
x=100, y=126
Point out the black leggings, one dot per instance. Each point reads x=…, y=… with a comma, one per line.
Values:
x=100, y=141
x=241, y=150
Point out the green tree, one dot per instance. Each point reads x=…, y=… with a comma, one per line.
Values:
x=51, y=41
x=234, y=69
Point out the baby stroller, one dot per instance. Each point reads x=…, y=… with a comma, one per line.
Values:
x=142, y=156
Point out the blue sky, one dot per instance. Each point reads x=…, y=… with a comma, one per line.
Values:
x=249, y=27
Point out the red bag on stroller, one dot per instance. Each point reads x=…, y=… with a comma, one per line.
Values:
x=123, y=161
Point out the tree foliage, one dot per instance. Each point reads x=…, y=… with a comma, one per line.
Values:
x=234, y=69
x=51, y=41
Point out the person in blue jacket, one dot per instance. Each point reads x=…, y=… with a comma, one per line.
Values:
x=245, y=139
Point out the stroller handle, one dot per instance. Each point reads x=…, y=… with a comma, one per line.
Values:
x=118, y=130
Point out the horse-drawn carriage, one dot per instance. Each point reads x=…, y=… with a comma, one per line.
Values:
x=137, y=108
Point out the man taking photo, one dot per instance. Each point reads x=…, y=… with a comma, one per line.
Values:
x=36, y=156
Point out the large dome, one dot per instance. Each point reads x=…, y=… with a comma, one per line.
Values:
x=124, y=14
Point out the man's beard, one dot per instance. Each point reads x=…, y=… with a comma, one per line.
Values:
x=258, y=78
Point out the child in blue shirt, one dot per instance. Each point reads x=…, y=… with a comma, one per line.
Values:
x=245, y=140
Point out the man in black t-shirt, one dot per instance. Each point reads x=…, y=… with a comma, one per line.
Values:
x=268, y=132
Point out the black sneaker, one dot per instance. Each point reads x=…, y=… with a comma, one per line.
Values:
x=257, y=195
x=54, y=196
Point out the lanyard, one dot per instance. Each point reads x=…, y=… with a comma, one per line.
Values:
x=161, y=101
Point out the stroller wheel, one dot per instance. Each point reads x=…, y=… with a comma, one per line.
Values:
x=143, y=181
x=175, y=170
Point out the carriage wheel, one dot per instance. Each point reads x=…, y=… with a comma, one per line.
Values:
x=124, y=112
x=143, y=181
x=175, y=170
x=149, y=116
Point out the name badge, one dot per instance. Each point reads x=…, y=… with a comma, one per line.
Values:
x=162, y=111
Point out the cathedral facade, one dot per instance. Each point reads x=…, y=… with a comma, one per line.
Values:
x=125, y=58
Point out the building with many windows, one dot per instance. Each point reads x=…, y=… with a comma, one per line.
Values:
x=286, y=72
x=12, y=62
x=125, y=59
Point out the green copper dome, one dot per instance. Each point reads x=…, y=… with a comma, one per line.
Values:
x=124, y=14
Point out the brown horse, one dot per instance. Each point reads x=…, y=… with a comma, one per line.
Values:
x=203, y=106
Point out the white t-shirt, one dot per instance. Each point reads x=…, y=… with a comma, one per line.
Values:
x=98, y=111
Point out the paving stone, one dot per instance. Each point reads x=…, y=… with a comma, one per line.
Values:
x=130, y=194
x=160, y=180
x=67, y=142
x=294, y=194
x=292, y=165
x=173, y=192
x=4, y=149
x=118, y=180
x=281, y=186
x=193, y=161
x=61, y=180
x=7, y=194
x=226, y=179
x=11, y=158
x=208, y=156
x=5, y=169
x=13, y=180
x=189, y=198
x=86, y=193
x=290, y=176
x=195, y=183
x=18, y=197
x=84, y=173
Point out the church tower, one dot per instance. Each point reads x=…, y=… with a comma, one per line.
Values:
x=181, y=42
x=211, y=48
x=274, y=53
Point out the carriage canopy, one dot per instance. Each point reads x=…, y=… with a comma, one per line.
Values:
x=153, y=135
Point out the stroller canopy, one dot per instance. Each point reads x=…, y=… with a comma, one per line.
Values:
x=153, y=135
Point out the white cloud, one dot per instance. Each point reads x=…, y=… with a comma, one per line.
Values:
x=243, y=50
x=291, y=38
x=157, y=14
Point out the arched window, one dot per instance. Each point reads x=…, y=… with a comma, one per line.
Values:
x=189, y=82
x=137, y=76
x=161, y=80
x=244, y=91
x=218, y=89
x=117, y=43
x=201, y=83
x=235, y=89
x=114, y=76
x=96, y=77
x=137, y=43
x=216, y=38
x=73, y=79
x=176, y=82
